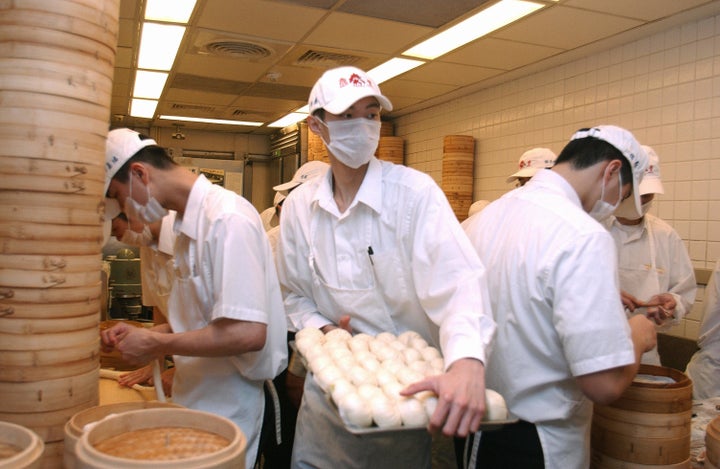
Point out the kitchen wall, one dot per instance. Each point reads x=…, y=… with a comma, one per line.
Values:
x=665, y=88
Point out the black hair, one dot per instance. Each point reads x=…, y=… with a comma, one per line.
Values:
x=154, y=155
x=319, y=113
x=585, y=152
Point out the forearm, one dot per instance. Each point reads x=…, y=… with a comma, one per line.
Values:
x=223, y=337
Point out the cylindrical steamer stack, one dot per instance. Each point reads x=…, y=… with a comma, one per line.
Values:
x=56, y=71
x=457, y=172
x=648, y=426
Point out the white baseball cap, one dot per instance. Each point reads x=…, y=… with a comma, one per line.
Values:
x=304, y=173
x=120, y=146
x=625, y=143
x=339, y=88
x=652, y=182
x=533, y=161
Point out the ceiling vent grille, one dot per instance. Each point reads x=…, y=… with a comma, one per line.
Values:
x=193, y=107
x=326, y=59
x=237, y=49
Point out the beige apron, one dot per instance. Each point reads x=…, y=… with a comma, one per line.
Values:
x=321, y=440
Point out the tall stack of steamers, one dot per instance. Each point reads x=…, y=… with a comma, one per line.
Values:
x=56, y=72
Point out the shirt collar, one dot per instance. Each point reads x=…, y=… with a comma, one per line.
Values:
x=550, y=178
x=369, y=193
x=193, y=209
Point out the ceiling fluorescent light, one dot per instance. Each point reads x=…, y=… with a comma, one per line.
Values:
x=392, y=68
x=202, y=120
x=289, y=119
x=148, y=84
x=170, y=11
x=478, y=25
x=143, y=108
x=159, y=44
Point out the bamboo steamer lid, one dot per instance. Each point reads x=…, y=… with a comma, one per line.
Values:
x=48, y=310
x=17, y=297
x=712, y=442
x=49, y=395
x=53, y=18
x=75, y=427
x=28, y=100
x=649, y=424
x=103, y=64
x=192, y=422
x=50, y=356
x=61, y=339
x=51, y=263
x=20, y=448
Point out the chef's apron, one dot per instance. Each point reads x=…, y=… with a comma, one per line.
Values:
x=642, y=281
x=321, y=440
x=211, y=384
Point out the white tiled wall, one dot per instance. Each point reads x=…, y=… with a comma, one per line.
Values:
x=665, y=88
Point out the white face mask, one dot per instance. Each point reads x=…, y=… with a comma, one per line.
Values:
x=353, y=141
x=133, y=238
x=602, y=209
x=151, y=212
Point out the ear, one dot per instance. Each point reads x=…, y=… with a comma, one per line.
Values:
x=139, y=170
x=611, y=170
x=314, y=125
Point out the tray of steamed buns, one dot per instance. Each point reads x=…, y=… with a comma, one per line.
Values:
x=363, y=375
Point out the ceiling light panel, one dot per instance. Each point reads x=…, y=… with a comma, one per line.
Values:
x=170, y=11
x=159, y=44
x=149, y=84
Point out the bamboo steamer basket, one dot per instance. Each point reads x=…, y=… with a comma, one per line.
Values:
x=28, y=100
x=60, y=120
x=103, y=14
x=13, y=325
x=41, y=246
x=53, y=53
x=459, y=143
x=60, y=216
x=391, y=149
x=61, y=339
x=50, y=356
x=650, y=424
x=60, y=185
x=20, y=448
x=316, y=148
x=23, y=166
x=75, y=427
x=17, y=297
x=49, y=310
x=50, y=263
x=51, y=144
x=604, y=461
x=712, y=442
x=49, y=395
x=50, y=426
x=387, y=129
x=40, y=279
x=36, y=199
x=51, y=19
x=27, y=374
x=129, y=423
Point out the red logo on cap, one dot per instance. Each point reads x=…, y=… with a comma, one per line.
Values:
x=355, y=80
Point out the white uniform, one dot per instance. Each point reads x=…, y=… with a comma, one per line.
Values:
x=652, y=259
x=395, y=260
x=557, y=306
x=704, y=367
x=224, y=269
x=157, y=268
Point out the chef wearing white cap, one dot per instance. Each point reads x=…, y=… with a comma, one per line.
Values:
x=656, y=274
x=374, y=247
x=563, y=341
x=226, y=327
x=531, y=162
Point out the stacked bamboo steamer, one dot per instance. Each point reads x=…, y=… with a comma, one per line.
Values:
x=316, y=148
x=648, y=426
x=457, y=172
x=56, y=70
x=712, y=444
